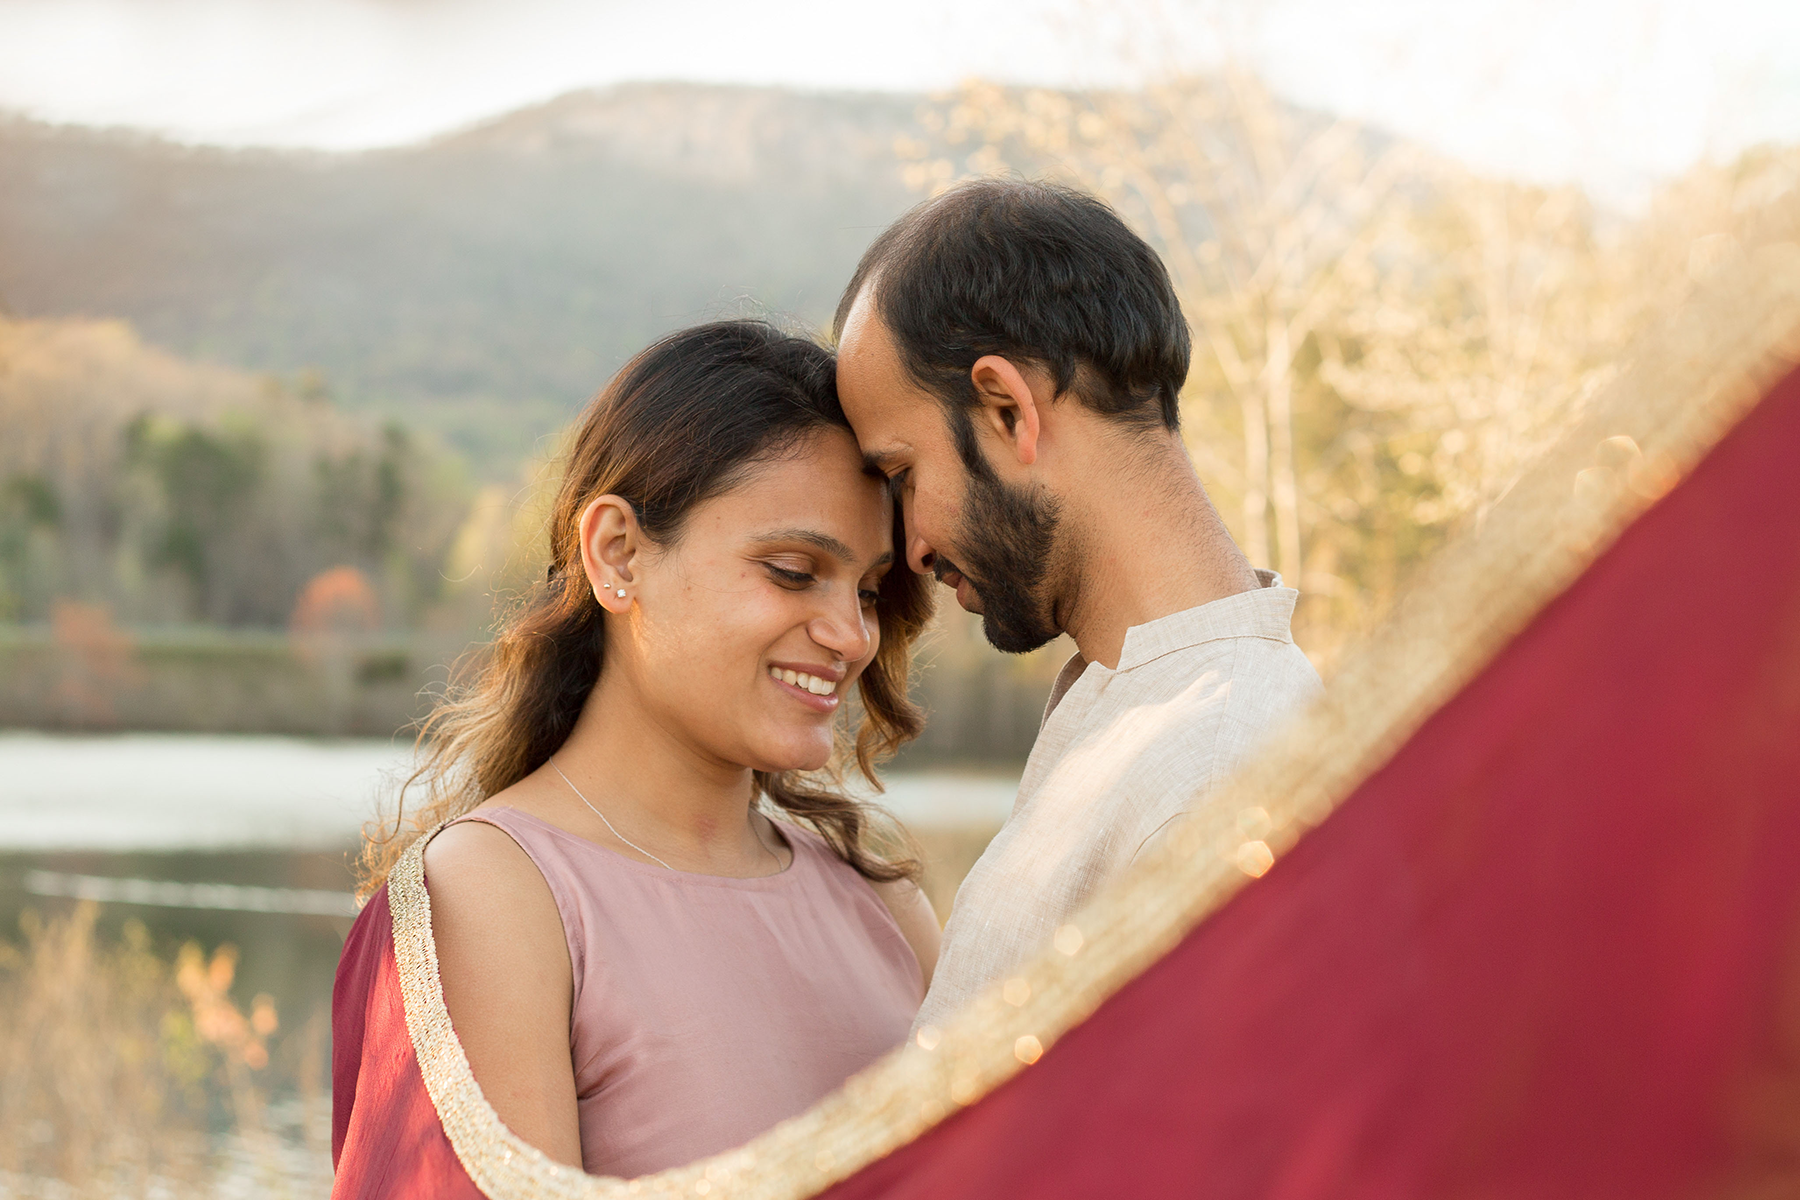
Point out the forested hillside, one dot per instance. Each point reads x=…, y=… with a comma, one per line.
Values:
x=482, y=284
x=1384, y=339
x=170, y=491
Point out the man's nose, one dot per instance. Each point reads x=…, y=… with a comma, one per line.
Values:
x=919, y=554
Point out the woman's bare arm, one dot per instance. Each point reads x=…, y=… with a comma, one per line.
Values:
x=507, y=981
x=918, y=923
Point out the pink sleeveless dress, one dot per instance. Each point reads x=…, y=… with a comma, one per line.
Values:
x=708, y=1009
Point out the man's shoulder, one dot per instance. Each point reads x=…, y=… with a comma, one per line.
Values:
x=1229, y=666
x=1171, y=739
x=1247, y=686
x=1277, y=666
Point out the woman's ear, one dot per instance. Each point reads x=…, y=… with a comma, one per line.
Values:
x=611, y=543
x=1009, y=408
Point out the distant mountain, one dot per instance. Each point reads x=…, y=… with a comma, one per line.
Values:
x=482, y=284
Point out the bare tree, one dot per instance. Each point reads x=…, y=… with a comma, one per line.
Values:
x=1387, y=338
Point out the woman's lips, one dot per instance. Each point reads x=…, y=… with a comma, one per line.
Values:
x=827, y=703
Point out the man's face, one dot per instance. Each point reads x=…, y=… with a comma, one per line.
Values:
x=991, y=541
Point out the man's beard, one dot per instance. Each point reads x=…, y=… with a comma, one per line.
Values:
x=1006, y=538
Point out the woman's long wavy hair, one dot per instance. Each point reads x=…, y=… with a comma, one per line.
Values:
x=683, y=422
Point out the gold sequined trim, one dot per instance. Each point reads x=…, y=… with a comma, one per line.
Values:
x=499, y=1162
x=1695, y=381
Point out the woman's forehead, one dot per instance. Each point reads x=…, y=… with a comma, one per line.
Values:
x=819, y=494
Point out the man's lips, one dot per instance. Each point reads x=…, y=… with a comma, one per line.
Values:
x=966, y=595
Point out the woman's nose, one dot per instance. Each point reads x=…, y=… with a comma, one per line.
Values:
x=843, y=629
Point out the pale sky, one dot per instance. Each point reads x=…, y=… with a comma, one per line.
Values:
x=1610, y=93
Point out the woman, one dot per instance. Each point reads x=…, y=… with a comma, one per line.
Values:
x=654, y=938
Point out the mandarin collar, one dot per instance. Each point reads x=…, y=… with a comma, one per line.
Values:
x=1266, y=612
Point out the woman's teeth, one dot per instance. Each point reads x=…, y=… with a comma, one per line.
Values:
x=812, y=683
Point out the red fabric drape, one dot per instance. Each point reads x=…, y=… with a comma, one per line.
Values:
x=1552, y=949
x=385, y=1137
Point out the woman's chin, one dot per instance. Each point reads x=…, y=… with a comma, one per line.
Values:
x=795, y=756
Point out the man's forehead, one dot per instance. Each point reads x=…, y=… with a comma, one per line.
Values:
x=872, y=378
x=861, y=320
x=890, y=411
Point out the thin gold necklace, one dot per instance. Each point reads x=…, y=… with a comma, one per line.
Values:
x=757, y=834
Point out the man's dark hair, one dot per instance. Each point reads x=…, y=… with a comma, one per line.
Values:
x=1033, y=272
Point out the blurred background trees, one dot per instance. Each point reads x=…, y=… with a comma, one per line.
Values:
x=177, y=492
x=1383, y=339
x=127, y=1074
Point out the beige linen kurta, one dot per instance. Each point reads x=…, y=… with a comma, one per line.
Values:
x=1120, y=755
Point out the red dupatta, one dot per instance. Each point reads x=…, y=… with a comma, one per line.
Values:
x=386, y=1140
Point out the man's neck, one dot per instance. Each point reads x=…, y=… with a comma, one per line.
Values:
x=1147, y=545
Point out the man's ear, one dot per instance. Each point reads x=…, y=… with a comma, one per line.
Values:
x=1008, y=406
x=611, y=546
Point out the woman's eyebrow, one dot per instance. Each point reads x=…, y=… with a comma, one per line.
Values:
x=812, y=537
x=825, y=542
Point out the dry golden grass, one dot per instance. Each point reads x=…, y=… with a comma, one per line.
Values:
x=124, y=1074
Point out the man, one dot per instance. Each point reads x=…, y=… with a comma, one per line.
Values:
x=1012, y=356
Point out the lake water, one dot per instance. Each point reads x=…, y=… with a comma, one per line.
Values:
x=145, y=792
x=250, y=840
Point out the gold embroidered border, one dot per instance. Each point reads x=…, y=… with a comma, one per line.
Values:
x=496, y=1159
x=1696, y=379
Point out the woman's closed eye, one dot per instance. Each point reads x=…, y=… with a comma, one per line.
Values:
x=788, y=577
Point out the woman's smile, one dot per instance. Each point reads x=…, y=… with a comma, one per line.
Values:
x=812, y=685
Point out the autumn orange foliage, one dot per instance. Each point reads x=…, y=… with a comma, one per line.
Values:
x=337, y=601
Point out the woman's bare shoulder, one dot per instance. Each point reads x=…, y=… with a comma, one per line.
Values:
x=471, y=846
x=484, y=886
x=507, y=979
x=486, y=892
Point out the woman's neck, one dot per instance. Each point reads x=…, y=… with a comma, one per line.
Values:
x=657, y=790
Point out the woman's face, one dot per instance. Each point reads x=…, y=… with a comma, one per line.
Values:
x=742, y=638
